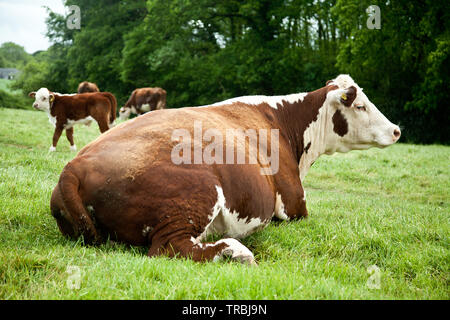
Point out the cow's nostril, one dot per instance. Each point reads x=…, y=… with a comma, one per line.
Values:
x=397, y=133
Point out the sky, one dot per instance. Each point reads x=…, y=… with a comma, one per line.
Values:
x=23, y=22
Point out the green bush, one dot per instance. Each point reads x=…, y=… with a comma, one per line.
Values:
x=16, y=101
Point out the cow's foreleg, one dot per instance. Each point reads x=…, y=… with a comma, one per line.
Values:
x=56, y=135
x=69, y=134
x=209, y=251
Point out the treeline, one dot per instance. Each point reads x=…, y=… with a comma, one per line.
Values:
x=204, y=51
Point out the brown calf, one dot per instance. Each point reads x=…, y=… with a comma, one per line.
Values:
x=64, y=111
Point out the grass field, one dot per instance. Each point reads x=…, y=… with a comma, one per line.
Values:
x=385, y=208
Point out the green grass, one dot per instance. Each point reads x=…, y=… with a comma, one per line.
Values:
x=388, y=208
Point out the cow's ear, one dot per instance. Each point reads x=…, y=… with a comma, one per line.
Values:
x=348, y=96
x=32, y=94
x=52, y=97
x=328, y=82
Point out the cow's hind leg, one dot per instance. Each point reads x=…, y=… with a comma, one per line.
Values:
x=69, y=134
x=208, y=251
x=103, y=123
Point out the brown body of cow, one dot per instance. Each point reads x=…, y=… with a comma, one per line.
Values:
x=144, y=100
x=85, y=86
x=125, y=184
x=64, y=111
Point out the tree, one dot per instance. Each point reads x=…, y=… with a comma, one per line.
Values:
x=13, y=55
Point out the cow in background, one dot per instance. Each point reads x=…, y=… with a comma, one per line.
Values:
x=85, y=86
x=66, y=110
x=143, y=100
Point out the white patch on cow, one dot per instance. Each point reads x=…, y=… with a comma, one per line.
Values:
x=73, y=148
x=229, y=223
x=52, y=149
x=343, y=81
x=280, y=211
x=65, y=94
x=86, y=121
x=133, y=109
x=145, y=107
x=42, y=100
x=316, y=134
x=51, y=119
x=124, y=113
x=224, y=222
x=236, y=251
x=272, y=101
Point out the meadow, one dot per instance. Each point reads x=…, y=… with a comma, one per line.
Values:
x=378, y=229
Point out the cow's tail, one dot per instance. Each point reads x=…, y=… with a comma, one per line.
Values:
x=113, y=101
x=68, y=208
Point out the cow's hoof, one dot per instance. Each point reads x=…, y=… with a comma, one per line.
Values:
x=52, y=149
x=237, y=251
x=73, y=148
x=248, y=260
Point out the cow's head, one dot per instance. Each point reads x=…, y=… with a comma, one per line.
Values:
x=43, y=99
x=124, y=113
x=355, y=121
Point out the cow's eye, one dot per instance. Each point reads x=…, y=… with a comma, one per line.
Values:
x=361, y=107
x=44, y=98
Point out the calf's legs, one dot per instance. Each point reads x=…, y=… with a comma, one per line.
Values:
x=56, y=135
x=69, y=134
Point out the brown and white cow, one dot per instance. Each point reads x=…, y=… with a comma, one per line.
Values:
x=143, y=100
x=126, y=185
x=85, y=86
x=66, y=110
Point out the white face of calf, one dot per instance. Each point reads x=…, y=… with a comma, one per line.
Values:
x=356, y=122
x=124, y=113
x=42, y=99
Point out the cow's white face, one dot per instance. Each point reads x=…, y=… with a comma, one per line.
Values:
x=42, y=99
x=356, y=122
x=124, y=113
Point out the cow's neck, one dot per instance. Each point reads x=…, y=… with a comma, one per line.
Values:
x=315, y=141
x=304, y=123
x=52, y=105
